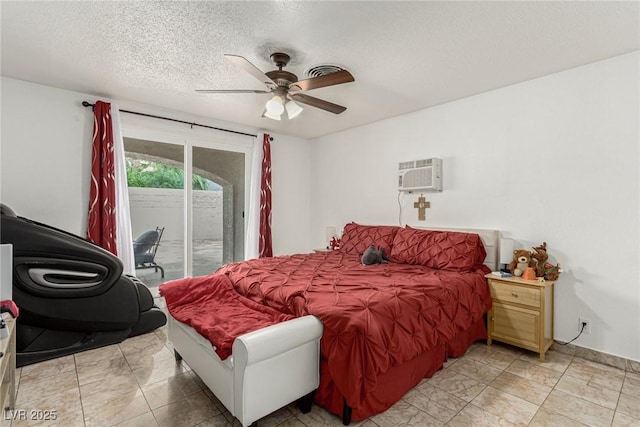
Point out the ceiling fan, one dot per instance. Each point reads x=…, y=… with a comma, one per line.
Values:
x=286, y=88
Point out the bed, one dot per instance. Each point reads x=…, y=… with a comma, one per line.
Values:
x=386, y=326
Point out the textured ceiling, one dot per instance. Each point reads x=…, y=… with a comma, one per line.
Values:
x=405, y=56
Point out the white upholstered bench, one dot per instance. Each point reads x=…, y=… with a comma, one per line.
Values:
x=268, y=369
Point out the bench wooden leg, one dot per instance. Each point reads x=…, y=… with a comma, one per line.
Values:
x=305, y=402
x=346, y=412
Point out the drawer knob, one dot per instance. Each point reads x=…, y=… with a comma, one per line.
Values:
x=514, y=294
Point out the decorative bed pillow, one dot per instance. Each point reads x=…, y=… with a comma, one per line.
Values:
x=443, y=250
x=357, y=238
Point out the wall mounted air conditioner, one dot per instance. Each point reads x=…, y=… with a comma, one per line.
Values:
x=420, y=175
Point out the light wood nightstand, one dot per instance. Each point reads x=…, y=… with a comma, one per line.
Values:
x=522, y=313
x=8, y=366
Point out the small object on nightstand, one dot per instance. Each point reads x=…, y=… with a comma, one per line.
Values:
x=522, y=313
x=501, y=273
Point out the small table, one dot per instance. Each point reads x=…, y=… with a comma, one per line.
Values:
x=8, y=364
x=522, y=313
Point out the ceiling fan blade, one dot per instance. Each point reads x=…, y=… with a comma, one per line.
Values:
x=331, y=79
x=318, y=103
x=247, y=66
x=231, y=91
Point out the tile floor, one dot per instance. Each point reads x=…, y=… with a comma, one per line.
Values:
x=138, y=383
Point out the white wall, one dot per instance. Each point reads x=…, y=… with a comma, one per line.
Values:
x=554, y=159
x=45, y=154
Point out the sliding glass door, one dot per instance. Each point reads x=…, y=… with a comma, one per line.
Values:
x=218, y=223
x=203, y=225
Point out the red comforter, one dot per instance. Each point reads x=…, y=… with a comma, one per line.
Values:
x=211, y=306
x=375, y=317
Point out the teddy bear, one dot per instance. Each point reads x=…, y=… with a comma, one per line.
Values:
x=544, y=268
x=521, y=260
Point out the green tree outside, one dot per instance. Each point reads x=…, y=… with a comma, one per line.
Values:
x=147, y=174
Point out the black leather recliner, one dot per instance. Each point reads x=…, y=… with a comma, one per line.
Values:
x=71, y=293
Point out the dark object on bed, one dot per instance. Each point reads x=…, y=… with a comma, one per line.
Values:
x=71, y=293
x=145, y=248
x=374, y=256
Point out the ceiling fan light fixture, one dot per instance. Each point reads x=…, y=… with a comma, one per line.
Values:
x=275, y=106
x=293, y=109
x=268, y=115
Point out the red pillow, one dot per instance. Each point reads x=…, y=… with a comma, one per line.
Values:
x=357, y=238
x=443, y=250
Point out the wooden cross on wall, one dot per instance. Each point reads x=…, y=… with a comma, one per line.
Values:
x=422, y=205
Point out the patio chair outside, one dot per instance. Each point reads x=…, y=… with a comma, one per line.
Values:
x=145, y=247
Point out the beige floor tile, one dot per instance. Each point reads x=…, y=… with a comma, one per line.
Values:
x=98, y=369
x=631, y=384
x=477, y=370
x=534, y=372
x=108, y=388
x=170, y=390
x=438, y=403
x=139, y=360
x=148, y=343
x=187, y=412
x=145, y=420
x=553, y=360
x=116, y=410
x=497, y=356
x=622, y=420
x=471, y=415
x=544, y=418
x=404, y=414
x=278, y=417
x=596, y=374
x=580, y=388
x=505, y=405
x=221, y=421
x=90, y=356
x=159, y=370
x=524, y=388
x=62, y=409
x=34, y=388
x=577, y=409
x=629, y=405
x=459, y=385
x=49, y=368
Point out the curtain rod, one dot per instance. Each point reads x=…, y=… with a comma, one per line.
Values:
x=88, y=104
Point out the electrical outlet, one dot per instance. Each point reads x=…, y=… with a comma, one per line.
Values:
x=587, y=329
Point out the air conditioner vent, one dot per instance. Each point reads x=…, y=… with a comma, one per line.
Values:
x=322, y=70
x=420, y=175
x=407, y=165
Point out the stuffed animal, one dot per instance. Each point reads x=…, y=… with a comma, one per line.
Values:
x=544, y=268
x=521, y=260
x=334, y=244
x=374, y=256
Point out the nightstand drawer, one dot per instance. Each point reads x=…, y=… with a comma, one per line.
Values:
x=509, y=292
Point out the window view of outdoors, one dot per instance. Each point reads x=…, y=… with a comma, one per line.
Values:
x=156, y=203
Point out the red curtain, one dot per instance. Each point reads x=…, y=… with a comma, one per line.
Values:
x=265, y=245
x=101, y=228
